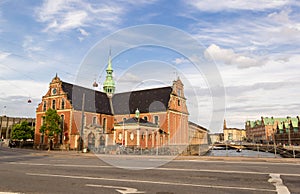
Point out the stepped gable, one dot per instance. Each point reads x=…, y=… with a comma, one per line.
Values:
x=149, y=100
x=95, y=101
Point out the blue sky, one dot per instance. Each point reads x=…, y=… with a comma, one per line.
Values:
x=255, y=45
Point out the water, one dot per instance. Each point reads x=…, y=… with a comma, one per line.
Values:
x=243, y=153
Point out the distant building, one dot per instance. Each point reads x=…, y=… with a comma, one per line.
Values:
x=233, y=134
x=215, y=138
x=277, y=130
x=7, y=123
x=197, y=134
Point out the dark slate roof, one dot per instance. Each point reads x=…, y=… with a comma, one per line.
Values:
x=95, y=101
x=150, y=100
x=135, y=120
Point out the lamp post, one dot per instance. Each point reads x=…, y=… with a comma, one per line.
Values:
x=274, y=142
x=82, y=122
x=123, y=133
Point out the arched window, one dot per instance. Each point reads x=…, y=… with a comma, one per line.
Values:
x=91, y=140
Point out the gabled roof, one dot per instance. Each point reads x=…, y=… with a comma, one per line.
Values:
x=139, y=121
x=95, y=101
x=150, y=100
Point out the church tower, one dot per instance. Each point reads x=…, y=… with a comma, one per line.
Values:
x=224, y=125
x=109, y=84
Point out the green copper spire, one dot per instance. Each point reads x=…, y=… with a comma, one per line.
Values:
x=109, y=84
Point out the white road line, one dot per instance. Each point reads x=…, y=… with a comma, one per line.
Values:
x=149, y=182
x=240, y=162
x=123, y=190
x=163, y=169
x=8, y=193
x=277, y=182
x=61, y=165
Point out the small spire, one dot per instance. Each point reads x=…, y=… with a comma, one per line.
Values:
x=109, y=84
x=109, y=67
x=137, y=113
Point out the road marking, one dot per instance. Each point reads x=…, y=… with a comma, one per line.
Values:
x=149, y=182
x=240, y=162
x=61, y=165
x=123, y=190
x=277, y=182
x=164, y=169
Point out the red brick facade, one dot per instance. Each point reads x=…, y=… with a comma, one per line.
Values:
x=100, y=117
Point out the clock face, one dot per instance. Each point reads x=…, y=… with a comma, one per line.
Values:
x=54, y=91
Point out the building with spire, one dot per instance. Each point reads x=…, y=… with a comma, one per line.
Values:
x=109, y=83
x=148, y=118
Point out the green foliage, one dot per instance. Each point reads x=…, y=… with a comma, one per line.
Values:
x=51, y=125
x=22, y=131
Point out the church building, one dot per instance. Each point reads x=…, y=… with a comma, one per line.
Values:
x=146, y=118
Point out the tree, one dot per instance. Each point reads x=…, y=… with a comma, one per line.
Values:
x=22, y=131
x=51, y=126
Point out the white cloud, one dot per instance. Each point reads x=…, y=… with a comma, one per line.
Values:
x=3, y=55
x=181, y=60
x=62, y=15
x=83, y=32
x=217, y=5
x=229, y=57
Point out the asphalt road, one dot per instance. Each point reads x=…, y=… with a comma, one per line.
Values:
x=29, y=171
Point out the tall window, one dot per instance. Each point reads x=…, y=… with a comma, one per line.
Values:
x=178, y=101
x=156, y=120
x=42, y=135
x=53, y=104
x=178, y=92
x=44, y=106
x=94, y=120
x=63, y=104
x=62, y=128
x=104, y=125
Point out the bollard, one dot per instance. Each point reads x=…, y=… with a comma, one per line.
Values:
x=294, y=152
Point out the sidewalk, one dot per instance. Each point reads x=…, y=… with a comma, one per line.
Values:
x=187, y=158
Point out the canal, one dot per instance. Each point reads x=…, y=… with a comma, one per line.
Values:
x=243, y=153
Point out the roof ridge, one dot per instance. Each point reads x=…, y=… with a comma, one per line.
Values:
x=149, y=89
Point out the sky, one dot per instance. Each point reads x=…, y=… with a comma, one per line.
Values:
x=255, y=46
